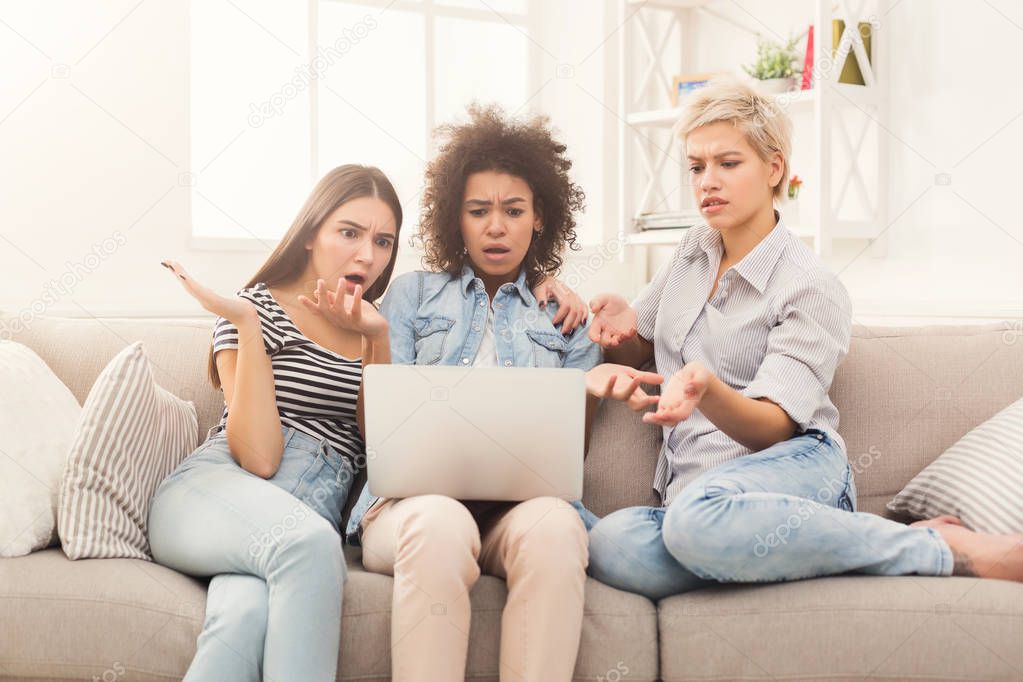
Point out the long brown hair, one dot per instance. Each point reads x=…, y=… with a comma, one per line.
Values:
x=290, y=258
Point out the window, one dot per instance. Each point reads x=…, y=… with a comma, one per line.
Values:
x=283, y=92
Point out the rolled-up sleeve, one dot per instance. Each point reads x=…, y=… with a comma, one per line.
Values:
x=805, y=347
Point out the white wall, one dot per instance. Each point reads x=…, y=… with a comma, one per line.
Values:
x=96, y=151
x=951, y=249
x=94, y=136
x=948, y=250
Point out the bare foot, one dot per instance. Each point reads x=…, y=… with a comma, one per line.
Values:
x=984, y=555
x=938, y=521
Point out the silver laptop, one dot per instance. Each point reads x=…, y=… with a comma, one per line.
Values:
x=474, y=433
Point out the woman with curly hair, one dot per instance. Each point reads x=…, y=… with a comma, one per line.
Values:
x=498, y=211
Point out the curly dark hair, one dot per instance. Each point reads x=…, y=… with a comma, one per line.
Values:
x=491, y=141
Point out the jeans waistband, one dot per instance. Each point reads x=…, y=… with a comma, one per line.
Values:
x=290, y=433
x=293, y=437
x=820, y=435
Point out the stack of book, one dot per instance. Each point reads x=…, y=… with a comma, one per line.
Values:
x=668, y=220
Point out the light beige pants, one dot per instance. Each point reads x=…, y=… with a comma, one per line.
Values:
x=435, y=549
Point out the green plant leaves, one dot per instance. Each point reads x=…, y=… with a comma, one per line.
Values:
x=774, y=60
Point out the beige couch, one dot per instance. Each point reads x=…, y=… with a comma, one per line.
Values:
x=904, y=395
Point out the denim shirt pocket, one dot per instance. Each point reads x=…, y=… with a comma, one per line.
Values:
x=548, y=348
x=431, y=332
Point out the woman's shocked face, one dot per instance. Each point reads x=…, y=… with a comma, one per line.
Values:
x=355, y=243
x=730, y=182
x=498, y=222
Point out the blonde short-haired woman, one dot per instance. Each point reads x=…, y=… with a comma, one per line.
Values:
x=747, y=327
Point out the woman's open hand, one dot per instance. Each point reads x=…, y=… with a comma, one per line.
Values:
x=614, y=320
x=622, y=383
x=236, y=310
x=572, y=310
x=681, y=395
x=347, y=311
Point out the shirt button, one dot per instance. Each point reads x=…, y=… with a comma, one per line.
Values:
x=507, y=363
x=475, y=327
x=465, y=361
x=482, y=304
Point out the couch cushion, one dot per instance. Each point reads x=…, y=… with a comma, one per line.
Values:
x=906, y=394
x=77, y=620
x=845, y=627
x=620, y=462
x=978, y=479
x=78, y=350
x=131, y=435
x=36, y=430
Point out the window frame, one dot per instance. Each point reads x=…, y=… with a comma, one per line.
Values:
x=431, y=10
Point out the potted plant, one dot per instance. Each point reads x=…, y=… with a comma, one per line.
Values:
x=774, y=68
x=794, y=184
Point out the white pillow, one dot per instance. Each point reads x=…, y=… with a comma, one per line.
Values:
x=131, y=435
x=979, y=479
x=37, y=422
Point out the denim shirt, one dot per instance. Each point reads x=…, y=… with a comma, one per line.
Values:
x=439, y=319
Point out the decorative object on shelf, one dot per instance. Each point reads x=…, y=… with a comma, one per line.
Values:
x=774, y=68
x=808, y=61
x=683, y=84
x=851, y=68
x=667, y=220
x=831, y=209
x=794, y=184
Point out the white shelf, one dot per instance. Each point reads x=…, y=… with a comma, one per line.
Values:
x=671, y=4
x=653, y=237
x=668, y=117
x=847, y=195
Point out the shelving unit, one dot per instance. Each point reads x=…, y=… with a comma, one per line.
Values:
x=839, y=141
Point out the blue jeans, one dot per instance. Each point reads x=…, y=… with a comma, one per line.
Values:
x=273, y=548
x=784, y=513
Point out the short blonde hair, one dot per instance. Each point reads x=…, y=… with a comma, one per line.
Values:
x=767, y=127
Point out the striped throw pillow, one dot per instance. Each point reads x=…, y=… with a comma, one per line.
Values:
x=131, y=434
x=978, y=479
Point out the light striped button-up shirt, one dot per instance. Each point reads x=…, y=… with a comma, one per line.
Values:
x=776, y=328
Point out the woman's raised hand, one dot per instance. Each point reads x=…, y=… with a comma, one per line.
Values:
x=621, y=382
x=234, y=309
x=572, y=310
x=614, y=320
x=347, y=311
x=681, y=395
